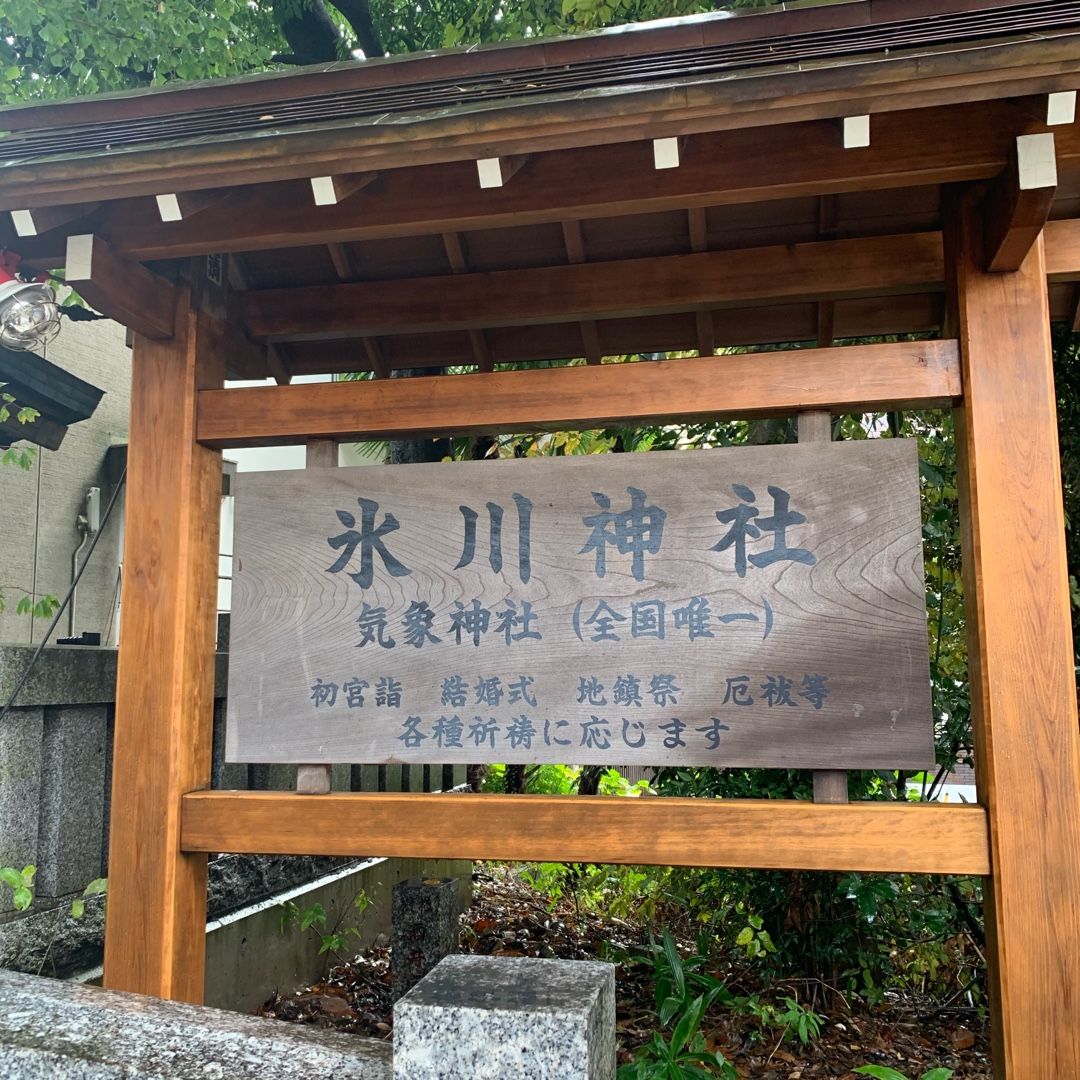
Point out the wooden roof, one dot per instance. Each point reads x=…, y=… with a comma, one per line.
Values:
x=768, y=229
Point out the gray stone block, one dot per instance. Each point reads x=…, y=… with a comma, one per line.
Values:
x=74, y=675
x=224, y=775
x=272, y=777
x=21, y=736
x=62, y=1031
x=424, y=928
x=235, y=881
x=48, y=941
x=489, y=1018
x=72, y=799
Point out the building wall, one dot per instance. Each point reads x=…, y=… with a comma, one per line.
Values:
x=38, y=523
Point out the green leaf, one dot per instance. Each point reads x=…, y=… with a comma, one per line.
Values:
x=675, y=963
x=688, y=1025
x=96, y=887
x=78, y=908
x=882, y=1072
x=746, y=935
x=937, y=1074
x=312, y=915
x=10, y=877
x=23, y=898
x=668, y=1008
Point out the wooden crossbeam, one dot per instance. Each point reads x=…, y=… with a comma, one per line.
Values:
x=124, y=290
x=761, y=324
x=1018, y=204
x=820, y=270
x=918, y=374
x=183, y=205
x=331, y=190
x=777, y=834
x=926, y=146
x=44, y=219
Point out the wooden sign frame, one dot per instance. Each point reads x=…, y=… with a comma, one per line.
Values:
x=997, y=374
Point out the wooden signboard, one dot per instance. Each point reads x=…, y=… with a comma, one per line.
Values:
x=753, y=606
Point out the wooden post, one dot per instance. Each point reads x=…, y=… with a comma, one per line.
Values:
x=830, y=785
x=317, y=779
x=1023, y=690
x=156, y=914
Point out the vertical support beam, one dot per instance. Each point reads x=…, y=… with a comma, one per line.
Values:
x=830, y=785
x=1023, y=691
x=156, y=915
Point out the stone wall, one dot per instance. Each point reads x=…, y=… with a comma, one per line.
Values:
x=55, y=777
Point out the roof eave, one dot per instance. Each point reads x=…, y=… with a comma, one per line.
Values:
x=758, y=98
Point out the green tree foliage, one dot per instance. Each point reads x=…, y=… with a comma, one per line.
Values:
x=73, y=47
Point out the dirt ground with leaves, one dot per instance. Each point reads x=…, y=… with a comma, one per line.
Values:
x=509, y=918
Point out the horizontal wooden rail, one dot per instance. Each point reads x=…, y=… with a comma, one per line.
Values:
x=618, y=288
x=770, y=834
x=919, y=374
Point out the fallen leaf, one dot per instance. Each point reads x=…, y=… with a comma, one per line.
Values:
x=962, y=1039
x=330, y=1004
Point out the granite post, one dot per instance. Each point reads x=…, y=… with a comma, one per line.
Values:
x=21, y=737
x=489, y=1018
x=424, y=928
x=72, y=799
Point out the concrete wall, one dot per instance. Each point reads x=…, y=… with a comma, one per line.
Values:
x=37, y=527
x=248, y=956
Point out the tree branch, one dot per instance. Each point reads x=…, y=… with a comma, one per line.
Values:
x=358, y=14
x=307, y=27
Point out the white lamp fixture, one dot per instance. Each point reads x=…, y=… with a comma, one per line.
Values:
x=29, y=313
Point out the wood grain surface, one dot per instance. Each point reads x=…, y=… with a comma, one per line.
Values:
x=821, y=269
x=911, y=374
x=156, y=915
x=1023, y=685
x=806, y=649
x=778, y=834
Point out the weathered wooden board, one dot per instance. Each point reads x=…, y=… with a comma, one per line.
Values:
x=753, y=606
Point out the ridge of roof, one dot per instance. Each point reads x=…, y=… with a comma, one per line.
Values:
x=677, y=35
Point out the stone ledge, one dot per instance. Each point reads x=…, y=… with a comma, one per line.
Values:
x=74, y=675
x=60, y=1031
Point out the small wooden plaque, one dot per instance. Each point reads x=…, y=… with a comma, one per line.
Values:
x=752, y=606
